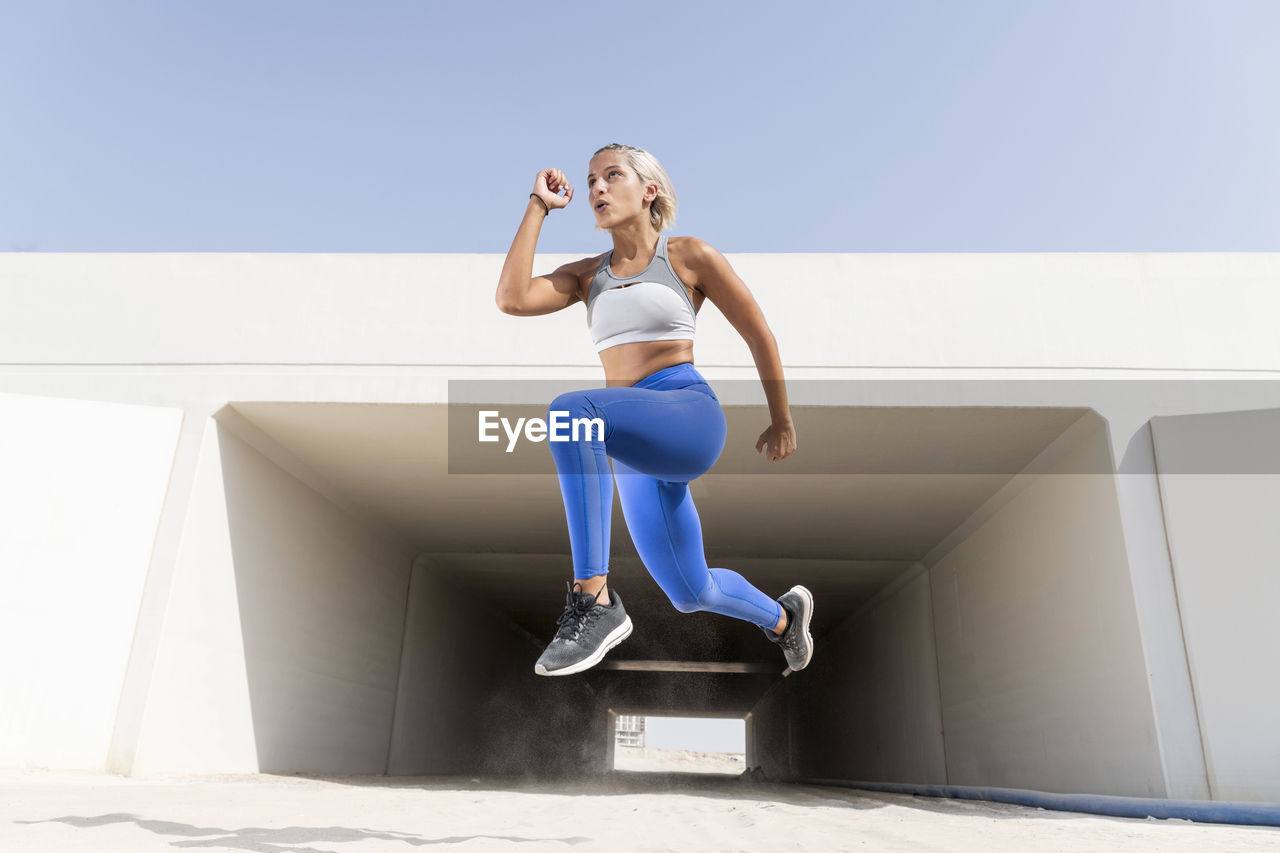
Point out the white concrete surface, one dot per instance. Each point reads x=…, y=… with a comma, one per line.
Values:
x=283, y=636
x=1156, y=601
x=1041, y=672
x=1187, y=311
x=1227, y=564
x=195, y=707
x=81, y=486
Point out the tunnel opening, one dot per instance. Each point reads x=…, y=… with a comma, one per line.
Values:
x=655, y=743
x=984, y=587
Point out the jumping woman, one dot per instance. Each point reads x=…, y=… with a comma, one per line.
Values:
x=663, y=423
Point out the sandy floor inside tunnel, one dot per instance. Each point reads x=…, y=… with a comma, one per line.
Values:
x=678, y=761
x=624, y=810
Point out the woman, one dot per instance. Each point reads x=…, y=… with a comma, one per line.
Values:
x=663, y=423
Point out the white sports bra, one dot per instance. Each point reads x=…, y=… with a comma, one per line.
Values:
x=650, y=306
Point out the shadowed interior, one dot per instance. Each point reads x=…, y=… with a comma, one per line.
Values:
x=872, y=493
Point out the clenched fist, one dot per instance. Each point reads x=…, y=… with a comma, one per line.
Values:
x=547, y=186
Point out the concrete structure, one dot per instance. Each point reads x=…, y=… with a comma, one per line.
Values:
x=1032, y=495
x=629, y=730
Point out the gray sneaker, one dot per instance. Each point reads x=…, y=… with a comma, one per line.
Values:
x=587, y=631
x=796, y=641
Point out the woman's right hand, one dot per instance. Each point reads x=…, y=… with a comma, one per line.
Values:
x=547, y=187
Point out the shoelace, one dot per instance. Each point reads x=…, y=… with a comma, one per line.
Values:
x=579, y=613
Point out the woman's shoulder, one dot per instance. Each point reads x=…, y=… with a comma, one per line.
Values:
x=585, y=270
x=585, y=267
x=687, y=256
x=687, y=244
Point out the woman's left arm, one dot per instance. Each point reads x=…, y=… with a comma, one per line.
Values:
x=717, y=280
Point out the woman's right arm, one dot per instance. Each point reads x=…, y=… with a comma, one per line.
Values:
x=519, y=292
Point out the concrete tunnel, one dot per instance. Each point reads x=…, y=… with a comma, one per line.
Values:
x=491, y=563
x=1033, y=497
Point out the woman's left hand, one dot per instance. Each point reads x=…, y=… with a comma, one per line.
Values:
x=779, y=440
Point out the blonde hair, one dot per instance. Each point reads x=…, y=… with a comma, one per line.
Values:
x=662, y=210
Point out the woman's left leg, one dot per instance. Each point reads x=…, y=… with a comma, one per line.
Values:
x=667, y=533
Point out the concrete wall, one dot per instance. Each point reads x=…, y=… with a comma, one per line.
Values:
x=1011, y=658
x=1159, y=616
x=1039, y=654
x=771, y=732
x=280, y=647
x=1170, y=311
x=1221, y=523
x=81, y=486
x=869, y=703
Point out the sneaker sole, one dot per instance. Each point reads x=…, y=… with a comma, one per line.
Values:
x=616, y=636
x=806, y=613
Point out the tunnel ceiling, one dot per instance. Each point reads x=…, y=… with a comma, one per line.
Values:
x=865, y=483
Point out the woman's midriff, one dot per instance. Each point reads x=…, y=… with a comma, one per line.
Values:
x=627, y=364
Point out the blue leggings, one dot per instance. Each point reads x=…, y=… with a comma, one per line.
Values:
x=662, y=432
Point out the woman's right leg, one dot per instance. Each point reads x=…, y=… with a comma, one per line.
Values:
x=673, y=435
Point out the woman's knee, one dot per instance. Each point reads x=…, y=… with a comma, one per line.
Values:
x=573, y=402
x=685, y=603
x=686, y=600
x=572, y=407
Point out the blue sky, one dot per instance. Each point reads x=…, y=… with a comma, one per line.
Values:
x=904, y=126
x=700, y=735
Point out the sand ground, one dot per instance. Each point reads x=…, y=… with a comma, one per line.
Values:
x=678, y=760
x=626, y=810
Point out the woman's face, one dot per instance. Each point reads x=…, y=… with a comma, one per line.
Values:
x=614, y=188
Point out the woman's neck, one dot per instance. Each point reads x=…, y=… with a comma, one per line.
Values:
x=631, y=243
